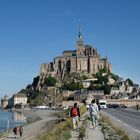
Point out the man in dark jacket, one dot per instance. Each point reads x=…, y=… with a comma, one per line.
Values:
x=75, y=114
x=15, y=131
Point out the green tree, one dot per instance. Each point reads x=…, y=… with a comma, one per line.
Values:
x=84, y=77
x=79, y=85
x=73, y=86
x=104, y=70
x=91, y=87
x=130, y=82
x=50, y=81
x=106, y=89
x=102, y=80
x=115, y=77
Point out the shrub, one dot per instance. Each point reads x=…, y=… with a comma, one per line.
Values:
x=50, y=81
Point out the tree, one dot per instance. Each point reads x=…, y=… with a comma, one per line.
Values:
x=102, y=80
x=73, y=86
x=104, y=70
x=50, y=81
x=130, y=82
x=84, y=77
x=115, y=77
x=106, y=89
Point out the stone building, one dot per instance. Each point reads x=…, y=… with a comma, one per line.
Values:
x=88, y=95
x=18, y=101
x=85, y=59
x=4, y=102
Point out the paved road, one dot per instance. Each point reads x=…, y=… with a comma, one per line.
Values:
x=129, y=119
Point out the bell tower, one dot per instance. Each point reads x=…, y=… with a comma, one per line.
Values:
x=80, y=44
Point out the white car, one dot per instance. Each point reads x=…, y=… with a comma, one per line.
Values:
x=103, y=104
x=65, y=107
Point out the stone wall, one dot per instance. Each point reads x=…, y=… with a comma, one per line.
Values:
x=82, y=64
x=4, y=103
x=73, y=64
x=93, y=65
x=128, y=103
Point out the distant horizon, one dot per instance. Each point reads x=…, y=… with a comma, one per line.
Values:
x=34, y=32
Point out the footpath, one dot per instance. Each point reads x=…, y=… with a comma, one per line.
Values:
x=90, y=134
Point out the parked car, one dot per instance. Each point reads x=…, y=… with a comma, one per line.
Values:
x=65, y=107
x=42, y=107
x=102, y=104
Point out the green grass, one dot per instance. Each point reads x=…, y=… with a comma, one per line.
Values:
x=82, y=109
x=60, y=131
x=82, y=130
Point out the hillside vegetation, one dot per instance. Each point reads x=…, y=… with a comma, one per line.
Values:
x=51, y=87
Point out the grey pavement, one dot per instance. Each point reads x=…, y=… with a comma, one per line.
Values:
x=95, y=133
x=74, y=135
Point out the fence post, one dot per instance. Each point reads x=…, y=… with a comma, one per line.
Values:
x=7, y=125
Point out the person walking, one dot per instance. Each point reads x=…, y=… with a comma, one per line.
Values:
x=20, y=131
x=75, y=114
x=94, y=113
x=15, y=131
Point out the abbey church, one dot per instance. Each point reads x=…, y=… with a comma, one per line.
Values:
x=84, y=59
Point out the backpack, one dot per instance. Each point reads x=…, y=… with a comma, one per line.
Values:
x=74, y=111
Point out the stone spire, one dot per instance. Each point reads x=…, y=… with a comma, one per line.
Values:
x=80, y=44
x=80, y=37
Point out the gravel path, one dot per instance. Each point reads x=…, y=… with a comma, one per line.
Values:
x=33, y=130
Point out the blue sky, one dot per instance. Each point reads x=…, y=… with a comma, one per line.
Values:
x=33, y=32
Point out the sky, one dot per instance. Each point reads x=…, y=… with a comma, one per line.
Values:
x=35, y=31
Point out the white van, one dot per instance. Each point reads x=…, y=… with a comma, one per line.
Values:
x=102, y=104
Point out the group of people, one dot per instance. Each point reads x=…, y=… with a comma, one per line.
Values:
x=17, y=130
x=93, y=111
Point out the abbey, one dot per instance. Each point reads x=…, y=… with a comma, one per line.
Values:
x=85, y=59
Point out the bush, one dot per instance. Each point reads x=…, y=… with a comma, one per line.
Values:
x=73, y=86
x=50, y=81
